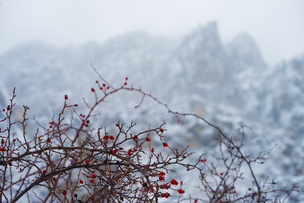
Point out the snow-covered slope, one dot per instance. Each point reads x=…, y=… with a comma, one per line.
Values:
x=226, y=83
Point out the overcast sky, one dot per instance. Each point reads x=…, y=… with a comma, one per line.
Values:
x=276, y=25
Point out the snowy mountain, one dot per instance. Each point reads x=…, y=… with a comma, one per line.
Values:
x=226, y=83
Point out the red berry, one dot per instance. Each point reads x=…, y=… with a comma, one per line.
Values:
x=203, y=160
x=48, y=140
x=147, y=139
x=14, y=140
x=165, y=144
x=92, y=89
x=125, y=83
x=8, y=108
x=96, y=81
x=164, y=186
x=111, y=137
x=161, y=178
x=94, y=175
x=161, y=130
x=152, y=150
x=180, y=191
x=108, y=88
x=101, y=88
x=174, y=182
x=221, y=174
x=92, y=180
x=66, y=97
x=106, y=137
x=95, y=162
x=115, y=151
x=81, y=182
x=2, y=142
x=103, y=84
x=44, y=171
x=64, y=192
x=135, y=137
x=87, y=161
x=195, y=201
x=76, y=159
x=127, y=78
x=54, y=179
x=2, y=149
x=166, y=194
x=162, y=173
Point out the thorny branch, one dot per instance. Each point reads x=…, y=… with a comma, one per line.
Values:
x=77, y=162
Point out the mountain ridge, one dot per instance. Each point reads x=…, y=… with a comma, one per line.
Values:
x=226, y=83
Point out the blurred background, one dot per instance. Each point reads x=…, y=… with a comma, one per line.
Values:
x=233, y=62
x=276, y=25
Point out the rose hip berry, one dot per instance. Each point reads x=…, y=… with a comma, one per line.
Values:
x=44, y=171
x=161, y=178
x=164, y=186
x=114, y=151
x=165, y=144
x=174, y=182
x=94, y=175
x=166, y=194
x=180, y=191
x=130, y=151
x=203, y=160
x=64, y=192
